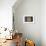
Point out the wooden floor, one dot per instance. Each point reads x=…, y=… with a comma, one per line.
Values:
x=9, y=43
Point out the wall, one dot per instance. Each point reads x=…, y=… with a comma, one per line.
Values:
x=43, y=22
x=29, y=30
x=6, y=13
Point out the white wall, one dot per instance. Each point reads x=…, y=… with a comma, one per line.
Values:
x=43, y=22
x=6, y=13
x=30, y=30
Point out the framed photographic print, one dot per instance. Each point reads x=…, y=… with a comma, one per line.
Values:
x=28, y=19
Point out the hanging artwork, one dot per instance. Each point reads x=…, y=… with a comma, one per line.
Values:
x=28, y=19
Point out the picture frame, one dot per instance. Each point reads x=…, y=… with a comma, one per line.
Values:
x=28, y=19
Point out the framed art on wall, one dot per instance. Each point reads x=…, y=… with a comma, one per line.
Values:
x=28, y=19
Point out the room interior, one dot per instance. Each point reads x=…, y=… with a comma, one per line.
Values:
x=23, y=23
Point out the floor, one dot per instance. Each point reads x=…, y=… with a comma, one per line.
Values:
x=9, y=43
